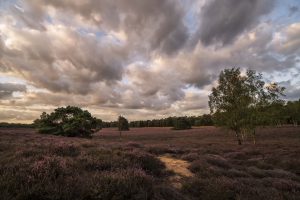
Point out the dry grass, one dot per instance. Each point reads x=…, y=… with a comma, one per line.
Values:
x=35, y=166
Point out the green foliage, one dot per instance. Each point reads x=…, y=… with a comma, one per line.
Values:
x=123, y=124
x=204, y=120
x=239, y=101
x=69, y=121
x=181, y=123
x=292, y=112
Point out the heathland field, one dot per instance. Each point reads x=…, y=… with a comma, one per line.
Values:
x=150, y=163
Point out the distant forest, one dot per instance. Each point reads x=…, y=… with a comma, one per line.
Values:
x=278, y=113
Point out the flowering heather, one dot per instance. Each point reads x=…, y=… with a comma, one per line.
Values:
x=36, y=167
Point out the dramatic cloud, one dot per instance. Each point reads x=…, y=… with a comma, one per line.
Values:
x=157, y=23
x=139, y=58
x=223, y=20
x=7, y=89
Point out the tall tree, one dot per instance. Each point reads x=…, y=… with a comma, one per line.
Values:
x=239, y=100
x=123, y=124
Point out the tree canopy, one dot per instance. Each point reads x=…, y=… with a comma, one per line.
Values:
x=69, y=121
x=123, y=124
x=181, y=123
x=239, y=101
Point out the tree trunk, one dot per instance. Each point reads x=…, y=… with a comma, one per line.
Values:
x=237, y=134
x=120, y=133
x=254, y=137
x=295, y=123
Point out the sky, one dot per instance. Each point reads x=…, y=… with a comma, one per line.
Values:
x=143, y=59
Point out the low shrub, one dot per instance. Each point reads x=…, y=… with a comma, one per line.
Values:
x=122, y=185
x=210, y=189
x=66, y=150
x=147, y=162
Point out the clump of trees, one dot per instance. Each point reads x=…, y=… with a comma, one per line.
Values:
x=68, y=121
x=122, y=124
x=181, y=123
x=241, y=102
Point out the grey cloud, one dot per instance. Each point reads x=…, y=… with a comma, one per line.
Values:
x=193, y=101
x=292, y=91
x=7, y=89
x=223, y=20
x=293, y=9
x=290, y=44
x=11, y=115
x=72, y=66
x=150, y=89
x=158, y=23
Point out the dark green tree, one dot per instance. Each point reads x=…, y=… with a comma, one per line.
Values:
x=69, y=121
x=238, y=101
x=181, y=123
x=292, y=111
x=123, y=124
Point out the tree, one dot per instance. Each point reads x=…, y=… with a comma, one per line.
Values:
x=292, y=110
x=122, y=124
x=239, y=100
x=181, y=123
x=69, y=121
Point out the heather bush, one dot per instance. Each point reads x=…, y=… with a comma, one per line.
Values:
x=66, y=150
x=218, y=161
x=210, y=189
x=122, y=185
x=146, y=161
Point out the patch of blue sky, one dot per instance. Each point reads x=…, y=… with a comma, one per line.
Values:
x=6, y=4
x=282, y=15
x=191, y=21
x=125, y=80
x=11, y=79
x=48, y=19
x=100, y=35
x=194, y=89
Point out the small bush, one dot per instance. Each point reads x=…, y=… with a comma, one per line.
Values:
x=122, y=185
x=66, y=150
x=147, y=162
x=218, y=161
x=210, y=189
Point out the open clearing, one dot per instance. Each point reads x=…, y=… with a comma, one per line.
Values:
x=150, y=163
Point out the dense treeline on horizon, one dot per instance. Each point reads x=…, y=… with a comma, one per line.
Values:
x=277, y=114
x=203, y=120
x=15, y=125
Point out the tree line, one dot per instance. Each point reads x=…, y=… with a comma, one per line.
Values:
x=203, y=120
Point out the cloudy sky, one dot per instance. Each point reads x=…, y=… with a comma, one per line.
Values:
x=140, y=58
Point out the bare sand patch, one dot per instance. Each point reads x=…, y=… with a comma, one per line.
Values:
x=179, y=167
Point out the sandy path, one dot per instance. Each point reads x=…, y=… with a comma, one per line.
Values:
x=179, y=167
